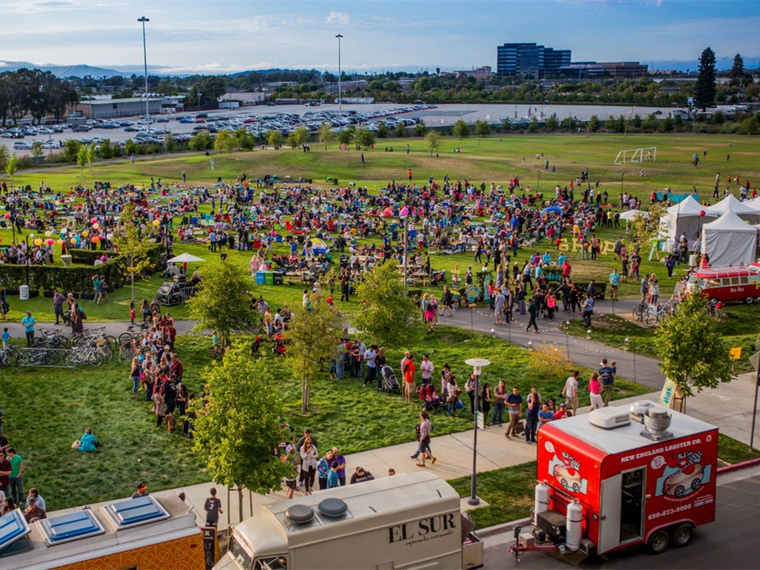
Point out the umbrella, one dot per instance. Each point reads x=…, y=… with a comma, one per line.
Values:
x=185, y=258
x=554, y=209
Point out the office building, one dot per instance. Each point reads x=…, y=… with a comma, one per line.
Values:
x=529, y=59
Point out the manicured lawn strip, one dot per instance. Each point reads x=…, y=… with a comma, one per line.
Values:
x=508, y=492
x=733, y=451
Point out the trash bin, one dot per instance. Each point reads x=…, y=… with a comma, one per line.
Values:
x=269, y=278
x=692, y=260
x=278, y=278
x=66, y=260
x=260, y=278
x=23, y=292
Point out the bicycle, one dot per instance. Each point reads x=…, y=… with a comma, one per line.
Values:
x=85, y=354
x=655, y=314
x=51, y=339
x=9, y=356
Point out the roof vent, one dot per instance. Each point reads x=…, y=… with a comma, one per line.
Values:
x=609, y=418
x=656, y=424
x=639, y=409
x=332, y=508
x=135, y=512
x=299, y=514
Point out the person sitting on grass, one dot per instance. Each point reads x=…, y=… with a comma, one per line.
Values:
x=88, y=442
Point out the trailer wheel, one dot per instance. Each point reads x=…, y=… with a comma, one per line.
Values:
x=658, y=542
x=682, y=535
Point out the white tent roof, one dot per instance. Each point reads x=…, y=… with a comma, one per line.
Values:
x=631, y=214
x=730, y=222
x=185, y=258
x=730, y=203
x=688, y=207
x=754, y=203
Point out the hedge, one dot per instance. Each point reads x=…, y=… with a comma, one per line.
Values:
x=88, y=256
x=74, y=279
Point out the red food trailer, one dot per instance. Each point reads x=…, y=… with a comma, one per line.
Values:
x=623, y=476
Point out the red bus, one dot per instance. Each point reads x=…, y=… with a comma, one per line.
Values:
x=727, y=284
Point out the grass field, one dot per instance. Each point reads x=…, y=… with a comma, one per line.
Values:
x=47, y=409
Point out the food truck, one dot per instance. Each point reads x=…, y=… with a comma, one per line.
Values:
x=620, y=477
x=144, y=533
x=730, y=284
x=404, y=521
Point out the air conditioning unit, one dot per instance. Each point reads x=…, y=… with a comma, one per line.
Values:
x=609, y=418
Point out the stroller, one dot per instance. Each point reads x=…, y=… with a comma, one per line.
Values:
x=279, y=345
x=431, y=401
x=439, y=278
x=390, y=382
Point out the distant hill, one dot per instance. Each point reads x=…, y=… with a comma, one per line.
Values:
x=63, y=70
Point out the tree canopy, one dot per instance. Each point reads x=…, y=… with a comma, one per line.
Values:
x=705, y=88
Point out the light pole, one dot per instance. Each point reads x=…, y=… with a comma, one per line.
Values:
x=340, y=102
x=629, y=342
x=143, y=19
x=477, y=368
x=567, y=337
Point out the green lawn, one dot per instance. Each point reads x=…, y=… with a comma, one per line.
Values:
x=47, y=409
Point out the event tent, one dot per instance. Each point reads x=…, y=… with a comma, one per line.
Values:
x=729, y=240
x=687, y=217
x=631, y=214
x=744, y=210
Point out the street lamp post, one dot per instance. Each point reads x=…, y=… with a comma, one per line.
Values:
x=143, y=19
x=340, y=101
x=477, y=368
x=567, y=337
x=629, y=342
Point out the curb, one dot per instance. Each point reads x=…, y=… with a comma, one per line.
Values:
x=739, y=466
x=503, y=527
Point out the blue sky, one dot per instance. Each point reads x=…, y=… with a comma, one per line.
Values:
x=226, y=36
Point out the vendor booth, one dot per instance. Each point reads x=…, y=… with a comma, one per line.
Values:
x=729, y=241
x=744, y=210
x=685, y=218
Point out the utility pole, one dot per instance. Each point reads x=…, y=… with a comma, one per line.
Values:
x=340, y=100
x=143, y=19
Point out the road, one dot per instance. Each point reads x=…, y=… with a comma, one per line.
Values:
x=726, y=543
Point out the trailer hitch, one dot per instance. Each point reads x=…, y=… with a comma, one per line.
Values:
x=518, y=548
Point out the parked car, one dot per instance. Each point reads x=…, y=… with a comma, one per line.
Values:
x=21, y=145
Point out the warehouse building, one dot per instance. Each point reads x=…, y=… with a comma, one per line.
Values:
x=111, y=108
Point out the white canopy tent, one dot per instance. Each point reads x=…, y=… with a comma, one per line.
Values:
x=729, y=241
x=754, y=203
x=687, y=218
x=631, y=214
x=742, y=209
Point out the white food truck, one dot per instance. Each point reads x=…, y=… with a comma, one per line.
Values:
x=405, y=521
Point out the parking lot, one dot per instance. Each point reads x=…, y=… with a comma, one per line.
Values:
x=286, y=118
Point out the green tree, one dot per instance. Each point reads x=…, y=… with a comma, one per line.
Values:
x=71, y=149
x=90, y=155
x=301, y=136
x=105, y=149
x=388, y=316
x=11, y=166
x=130, y=147
x=274, y=138
x=692, y=352
x=223, y=303
x=364, y=138
x=245, y=139
x=170, y=143
x=37, y=150
x=82, y=158
x=201, y=141
x=241, y=426
x=382, y=130
x=645, y=226
x=433, y=142
x=420, y=129
x=704, y=95
x=325, y=134
x=482, y=128
x=461, y=129
x=314, y=334
x=130, y=244
x=533, y=126
x=3, y=156
x=736, y=74
x=552, y=123
x=225, y=142
x=400, y=130
x=346, y=135
x=593, y=124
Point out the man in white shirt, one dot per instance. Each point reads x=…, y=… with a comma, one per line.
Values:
x=369, y=361
x=426, y=368
x=570, y=391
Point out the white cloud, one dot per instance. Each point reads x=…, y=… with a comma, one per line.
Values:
x=341, y=18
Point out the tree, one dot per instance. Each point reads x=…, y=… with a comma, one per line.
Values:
x=736, y=74
x=301, y=135
x=130, y=244
x=692, y=352
x=90, y=155
x=593, y=124
x=130, y=147
x=325, y=134
x=420, y=129
x=245, y=139
x=37, y=150
x=552, y=123
x=461, y=129
x=82, y=158
x=704, y=95
x=223, y=303
x=201, y=141
x=274, y=138
x=645, y=226
x=170, y=143
x=433, y=141
x=388, y=316
x=482, y=128
x=105, y=150
x=346, y=135
x=382, y=130
x=314, y=334
x=364, y=138
x=400, y=130
x=71, y=149
x=11, y=166
x=3, y=156
x=242, y=425
x=224, y=142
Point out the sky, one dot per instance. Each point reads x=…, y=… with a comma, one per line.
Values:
x=225, y=36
